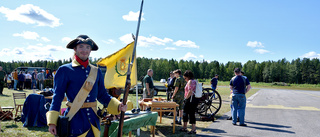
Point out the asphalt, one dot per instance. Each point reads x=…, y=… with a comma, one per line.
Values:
x=274, y=113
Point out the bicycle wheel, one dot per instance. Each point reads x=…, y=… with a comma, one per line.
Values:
x=209, y=103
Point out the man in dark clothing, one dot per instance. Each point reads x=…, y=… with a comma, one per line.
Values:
x=21, y=79
x=239, y=86
x=170, y=87
x=214, y=82
x=148, y=90
x=2, y=77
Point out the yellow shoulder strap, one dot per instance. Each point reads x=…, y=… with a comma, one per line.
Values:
x=84, y=92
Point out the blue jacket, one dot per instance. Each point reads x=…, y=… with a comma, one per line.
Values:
x=69, y=80
x=33, y=112
x=21, y=77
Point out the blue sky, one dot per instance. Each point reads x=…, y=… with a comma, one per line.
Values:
x=228, y=30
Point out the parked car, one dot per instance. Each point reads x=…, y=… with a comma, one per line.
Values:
x=156, y=89
x=30, y=69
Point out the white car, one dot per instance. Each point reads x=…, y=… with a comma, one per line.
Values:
x=163, y=81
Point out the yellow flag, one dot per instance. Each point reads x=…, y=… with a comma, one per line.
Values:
x=117, y=67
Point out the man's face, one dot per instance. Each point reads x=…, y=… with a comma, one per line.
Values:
x=176, y=75
x=171, y=75
x=151, y=73
x=83, y=51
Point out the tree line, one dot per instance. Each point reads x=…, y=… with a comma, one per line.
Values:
x=299, y=71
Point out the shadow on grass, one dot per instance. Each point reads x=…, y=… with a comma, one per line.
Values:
x=3, y=95
x=42, y=129
x=12, y=125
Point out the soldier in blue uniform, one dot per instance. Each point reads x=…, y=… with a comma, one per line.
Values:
x=69, y=80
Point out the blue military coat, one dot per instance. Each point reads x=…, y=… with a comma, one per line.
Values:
x=68, y=81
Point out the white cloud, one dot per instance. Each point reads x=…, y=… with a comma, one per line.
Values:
x=311, y=55
x=254, y=44
x=261, y=51
x=201, y=56
x=109, y=41
x=140, y=56
x=45, y=39
x=31, y=14
x=33, y=52
x=126, y=38
x=27, y=35
x=54, y=48
x=5, y=52
x=133, y=16
x=18, y=51
x=189, y=56
x=66, y=39
x=45, y=49
x=170, y=48
x=42, y=56
x=145, y=41
x=187, y=44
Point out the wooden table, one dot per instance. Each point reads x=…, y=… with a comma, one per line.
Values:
x=163, y=106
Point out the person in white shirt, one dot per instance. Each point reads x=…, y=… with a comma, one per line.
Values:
x=28, y=81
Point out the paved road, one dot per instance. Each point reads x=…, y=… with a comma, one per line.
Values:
x=275, y=113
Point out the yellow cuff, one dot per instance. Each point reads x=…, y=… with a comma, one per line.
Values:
x=130, y=105
x=113, y=106
x=52, y=117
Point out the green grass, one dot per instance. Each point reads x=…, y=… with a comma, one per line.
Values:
x=162, y=129
x=275, y=85
x=17, y=130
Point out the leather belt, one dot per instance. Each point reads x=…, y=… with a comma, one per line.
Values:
x=85, y=104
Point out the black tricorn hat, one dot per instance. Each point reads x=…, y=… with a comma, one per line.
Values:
x=83, y=39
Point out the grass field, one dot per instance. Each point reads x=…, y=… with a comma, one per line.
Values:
x=10, y=129
x=278, y=85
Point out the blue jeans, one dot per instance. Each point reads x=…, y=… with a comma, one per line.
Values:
x=34, y=84
x=15, y=84
x=214, y=88
x=239, y=106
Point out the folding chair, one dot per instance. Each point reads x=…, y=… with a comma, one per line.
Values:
x=6, y=113
x=18, y=107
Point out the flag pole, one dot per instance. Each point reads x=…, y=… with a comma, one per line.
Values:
x=128, y=80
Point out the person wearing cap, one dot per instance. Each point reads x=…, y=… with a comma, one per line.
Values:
x=68, y=80
x=214, y=82
x=239, y=87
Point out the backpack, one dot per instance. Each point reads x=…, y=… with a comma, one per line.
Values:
x=198, y=92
